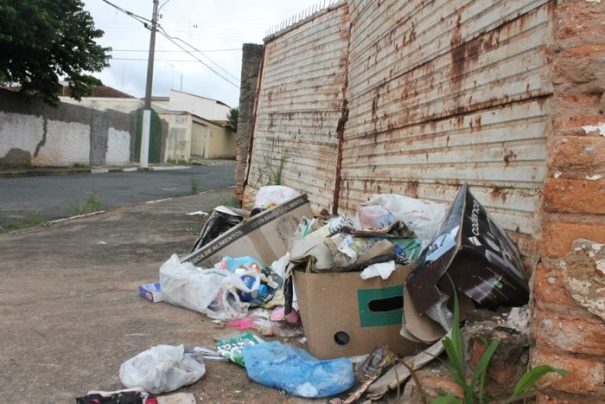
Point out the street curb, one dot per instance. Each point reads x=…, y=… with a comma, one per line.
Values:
x=93, y=170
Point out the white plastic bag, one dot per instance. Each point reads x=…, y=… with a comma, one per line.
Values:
x=421, y=216
x=209, y=291
x=161, y=369
x=273, y=195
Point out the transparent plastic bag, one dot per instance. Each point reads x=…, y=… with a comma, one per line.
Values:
x=209, y=291
x=161, y=369
x=274, y=195
x=421, y=216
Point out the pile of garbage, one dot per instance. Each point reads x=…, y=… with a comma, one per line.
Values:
x=361, y=291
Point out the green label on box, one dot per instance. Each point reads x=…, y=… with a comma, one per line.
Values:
x=380, y=307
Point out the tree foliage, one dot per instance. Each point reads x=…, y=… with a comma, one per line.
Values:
x=42, y=41
x=232, y=118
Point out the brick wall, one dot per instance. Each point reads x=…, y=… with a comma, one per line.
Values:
x=566, y=334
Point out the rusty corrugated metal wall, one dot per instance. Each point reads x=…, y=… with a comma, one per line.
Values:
x=437, y=93
x=299, y=106
x=446, y=92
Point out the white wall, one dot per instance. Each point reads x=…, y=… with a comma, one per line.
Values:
x=178, y=140
x=203, y=107
x=20, y=131
x=118, y=147
x=66, y=143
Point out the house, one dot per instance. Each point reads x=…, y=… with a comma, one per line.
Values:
x=196, y=125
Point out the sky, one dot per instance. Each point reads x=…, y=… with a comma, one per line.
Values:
x=219, y=28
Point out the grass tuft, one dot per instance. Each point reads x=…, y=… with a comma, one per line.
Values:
x=92, y=204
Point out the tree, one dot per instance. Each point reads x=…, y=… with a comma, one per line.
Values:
x=42, y=41
x=232, y=118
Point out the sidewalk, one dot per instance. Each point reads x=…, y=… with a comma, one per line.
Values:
x=70, y=313
x=8, y=172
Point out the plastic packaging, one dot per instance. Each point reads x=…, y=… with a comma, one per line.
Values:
x=220, y=220
x=423, y=217
x=374, y=216
x=161, y=369
x=231, y=264
x=273, y=195
x=291, y=369
x=231, y=346
x=209, y=291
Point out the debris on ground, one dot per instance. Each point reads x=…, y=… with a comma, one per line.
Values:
x=295, y=371
x=369, y=296
x=162, y=369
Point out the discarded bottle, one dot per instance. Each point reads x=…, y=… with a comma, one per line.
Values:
x=295, y=371
x=256, y=296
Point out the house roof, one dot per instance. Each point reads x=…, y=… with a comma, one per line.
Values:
x=201, y=96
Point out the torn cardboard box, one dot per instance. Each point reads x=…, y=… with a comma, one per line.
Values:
x=344, y=315
x=478, y=257
x=264, y=236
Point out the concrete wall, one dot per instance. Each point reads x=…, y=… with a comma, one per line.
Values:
x=251, y=65
x=178, y=137
x=126, y=105
x=32, y=133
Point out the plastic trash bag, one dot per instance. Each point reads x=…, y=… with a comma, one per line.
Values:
x=422, y=217
x=273, y=195
x=220, y=220
x=285, y=367
x=209, y=291
x=482, y=262
x=161, y=369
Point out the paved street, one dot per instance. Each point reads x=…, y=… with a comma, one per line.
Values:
x=70, y=313
x=57, y=196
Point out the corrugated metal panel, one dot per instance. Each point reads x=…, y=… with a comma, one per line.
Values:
x=446, y=92
x=299, y=106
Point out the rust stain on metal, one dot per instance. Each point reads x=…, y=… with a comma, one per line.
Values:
x=499, y=193
x=508, y=157
x=411, y=188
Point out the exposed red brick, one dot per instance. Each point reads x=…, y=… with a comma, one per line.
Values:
x=549, y=289
x=558, y=236
x=576, y=108
x=578, y=152
x=574, y=196
x=543, y=398
x=585, y=375
x=580, y=20
x=573, y=333
x=435, y=380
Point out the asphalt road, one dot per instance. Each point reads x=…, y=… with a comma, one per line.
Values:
x=52, y=197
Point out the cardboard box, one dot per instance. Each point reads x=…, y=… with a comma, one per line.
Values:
x=151, y=292
x=264, y=236
x=344, y=315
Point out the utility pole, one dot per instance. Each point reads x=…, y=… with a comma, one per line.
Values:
x=144, y=157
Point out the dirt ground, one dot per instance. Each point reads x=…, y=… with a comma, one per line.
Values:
x=70, y=313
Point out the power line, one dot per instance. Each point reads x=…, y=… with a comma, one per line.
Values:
x=179, y=51
x=129, y=13
x=197, y=50
x=162, y=32
x=158, y=60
